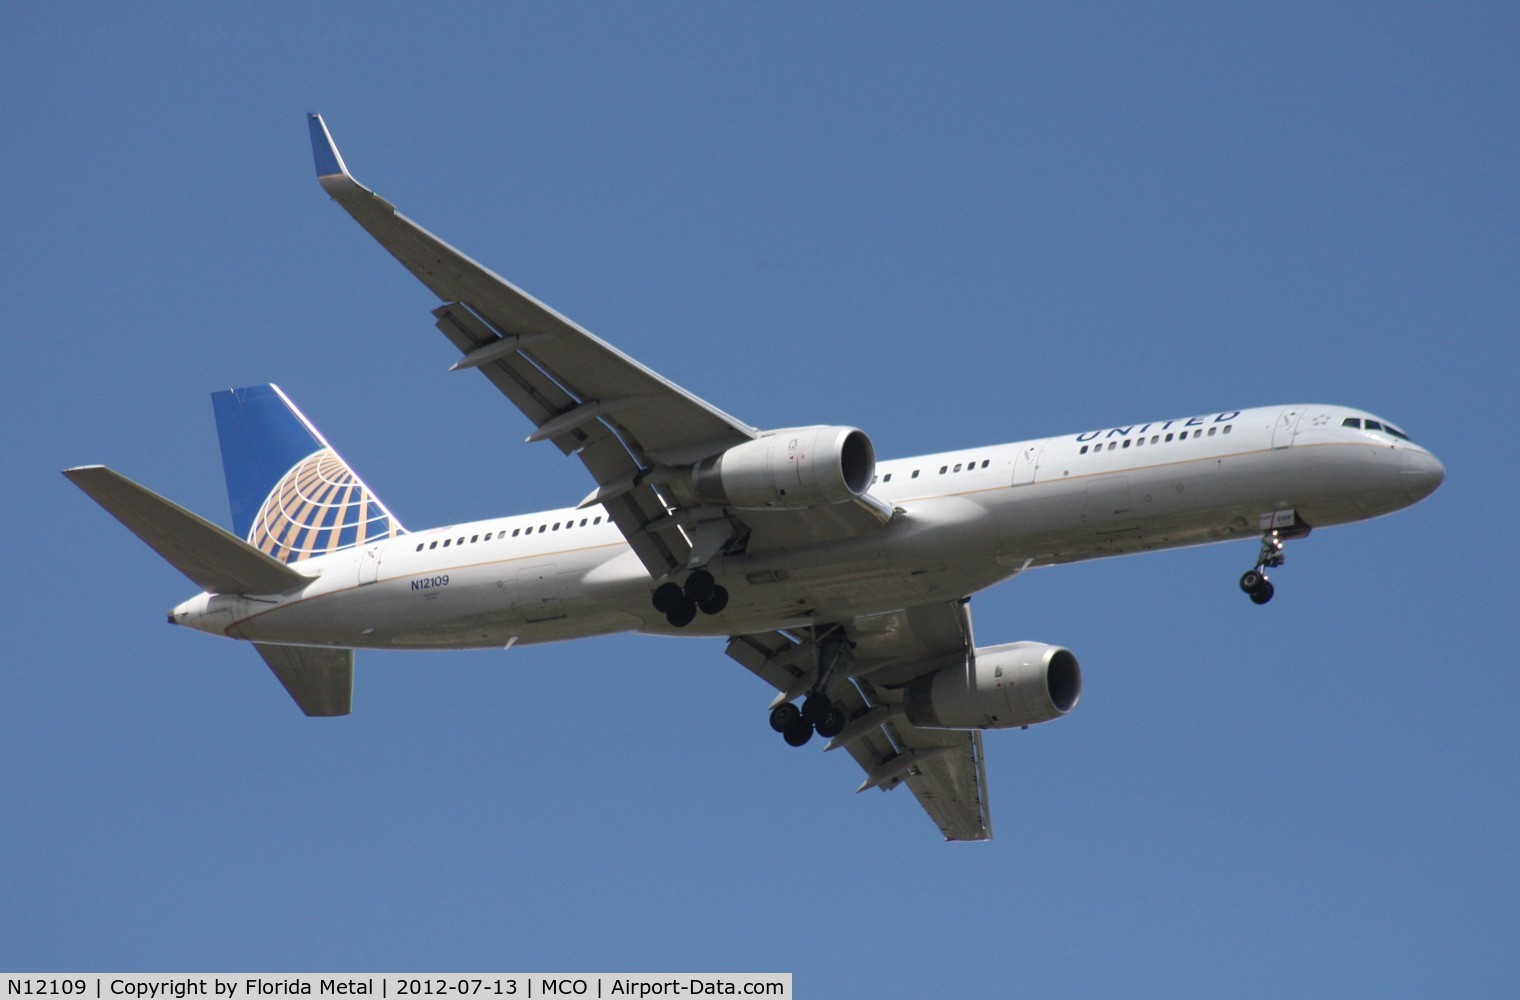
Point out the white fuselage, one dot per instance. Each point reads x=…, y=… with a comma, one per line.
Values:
x=964, y=520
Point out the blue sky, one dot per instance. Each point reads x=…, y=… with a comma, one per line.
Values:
x=946, y=224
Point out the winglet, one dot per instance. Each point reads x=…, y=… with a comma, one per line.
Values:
x=324, y=150
x=332, y=172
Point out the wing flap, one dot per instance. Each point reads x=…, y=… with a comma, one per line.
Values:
x=952, y=784
x=320, y=680
x=214, y=560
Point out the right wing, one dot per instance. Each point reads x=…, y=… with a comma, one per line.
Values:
x=944, y=768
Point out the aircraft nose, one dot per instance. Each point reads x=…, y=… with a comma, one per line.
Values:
x=1420, y=473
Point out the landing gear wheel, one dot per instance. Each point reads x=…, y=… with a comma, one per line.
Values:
x=714, y=602
x=798, y=733
x=832, y=724
x=816, y=708
x=667, y=597
x=1251, y=581
x=700, y=586
x=682, y=615
x=1263, y=593
x=784, y=717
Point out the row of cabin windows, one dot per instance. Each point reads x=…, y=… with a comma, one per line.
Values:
x=1155, y=439
x=461, y=540
x=943, y=469
x=1373, y=425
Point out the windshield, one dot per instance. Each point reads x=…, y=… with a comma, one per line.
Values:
x=1375, y=425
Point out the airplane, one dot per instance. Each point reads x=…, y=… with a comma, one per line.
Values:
x=840, y=580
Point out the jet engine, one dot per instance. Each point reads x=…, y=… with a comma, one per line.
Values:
x=999, y=687
x=789, y=469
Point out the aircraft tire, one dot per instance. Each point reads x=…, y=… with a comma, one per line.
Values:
x=833, y=724
x=667, y=597
x=714, y=602
x=784, y=716
x=1263, y=593
x=699, y=586
x=682, y=615
x=798, y=733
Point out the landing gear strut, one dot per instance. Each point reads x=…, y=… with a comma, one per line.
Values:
x=1254, y=581
x=680, y=604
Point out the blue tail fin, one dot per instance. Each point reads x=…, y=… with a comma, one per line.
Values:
x=292, y=496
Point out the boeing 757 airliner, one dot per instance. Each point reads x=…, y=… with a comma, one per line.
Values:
x=840, y=580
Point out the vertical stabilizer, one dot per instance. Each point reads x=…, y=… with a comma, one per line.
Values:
x=292, y=496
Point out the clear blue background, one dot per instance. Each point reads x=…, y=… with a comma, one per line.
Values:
x=947, y=224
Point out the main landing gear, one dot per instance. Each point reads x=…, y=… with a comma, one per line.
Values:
x=1254, y=581
x=680, y=604
x=818, y=713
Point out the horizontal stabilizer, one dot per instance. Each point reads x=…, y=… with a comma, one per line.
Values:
x=214, y=560
x=320, y=680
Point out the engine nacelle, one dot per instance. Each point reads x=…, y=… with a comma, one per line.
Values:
x=789, y=469
x=1015, y=684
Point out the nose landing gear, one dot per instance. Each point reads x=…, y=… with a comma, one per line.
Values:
x=1254, y=581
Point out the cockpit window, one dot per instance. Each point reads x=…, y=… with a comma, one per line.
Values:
x=1374, y=425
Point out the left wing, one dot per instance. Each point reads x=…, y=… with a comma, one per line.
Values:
x=944, y=768
x=625, y=422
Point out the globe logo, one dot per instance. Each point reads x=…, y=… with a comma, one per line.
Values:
x=319, y=506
